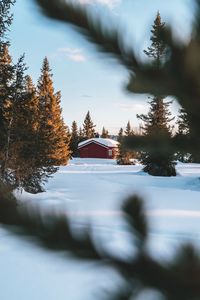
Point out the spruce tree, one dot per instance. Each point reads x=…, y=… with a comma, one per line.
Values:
x=7, y=77
x=124, y=156
x=128, y=129
x=183, y=122
x=74, y=139
x=5, y=18
x=54, y=135
x=120, y=135
x=88, y=127
x=104, y=133
x=156, y=122
x=80, y=134
x=182, y=132
x=28, y=169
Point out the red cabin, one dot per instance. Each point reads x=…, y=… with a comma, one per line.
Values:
x=98, y=148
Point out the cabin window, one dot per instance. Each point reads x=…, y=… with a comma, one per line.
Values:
x=110, y=152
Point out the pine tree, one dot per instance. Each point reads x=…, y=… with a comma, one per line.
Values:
x=7, y=77
x=128, y=130
x=182, y=132
x=120, y=135
x=6, y=18
x=183, y=122
x=88, y=127
x=54, y=135
x=80, y=134
x=28, y=170
x=124, y=156
x=157, y=50
x=104, y=133
x=74, y=139
x=156, y=122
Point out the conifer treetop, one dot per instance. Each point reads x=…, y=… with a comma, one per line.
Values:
x=88, y=127
x=157, y=50
x=128, y=130
x=6, y=17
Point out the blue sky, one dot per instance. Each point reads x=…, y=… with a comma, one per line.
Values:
x=87, y=80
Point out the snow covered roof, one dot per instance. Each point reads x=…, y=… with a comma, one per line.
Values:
x=103, y=142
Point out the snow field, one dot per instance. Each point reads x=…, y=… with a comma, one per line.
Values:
x=91, y=191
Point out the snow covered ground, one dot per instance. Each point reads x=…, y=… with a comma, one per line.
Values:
x=92, y=190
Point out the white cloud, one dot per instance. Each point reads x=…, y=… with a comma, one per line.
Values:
x=134, y=106
x=109, y=3
x=73, y=54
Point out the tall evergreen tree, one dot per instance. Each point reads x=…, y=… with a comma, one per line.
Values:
x=28, y=168
x=7, y=78
x=182, y=132
x=124, y=156
x=120, y=135
x=156, y=122
x=80, y=134
x=74, y=139
x=104, y=133
x=54, y=135
x=5, y=18
x=128, y=130
x=157, y=50
x=183, y=122
x=88, y=127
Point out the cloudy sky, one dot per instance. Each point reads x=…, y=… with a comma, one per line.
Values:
x=88, y=80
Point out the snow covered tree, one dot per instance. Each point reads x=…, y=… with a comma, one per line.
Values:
x=54, y=135
x=156, y=122
x=88, y=127
x=74, y=139
x=104, y=133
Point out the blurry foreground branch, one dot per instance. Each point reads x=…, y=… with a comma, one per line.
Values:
x=179, y=76
x=178, y=279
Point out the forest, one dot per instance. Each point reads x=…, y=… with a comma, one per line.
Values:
x=36, y=143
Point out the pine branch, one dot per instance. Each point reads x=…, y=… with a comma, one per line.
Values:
x=109, y=41
x=178, y=76
x=179, y=279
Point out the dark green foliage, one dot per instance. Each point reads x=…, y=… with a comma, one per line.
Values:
x=157, y=50
x=156, y=123
x=88, y=127
x=105, y=133
x=21, y=165
x=128, y=130
x=134, y=212
x=182, y=122
x=7, y=89
x=75, y=139
x=120, y=135
x=183, y=131
x=5, y=17
x=124, y=155
x=158, y=118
